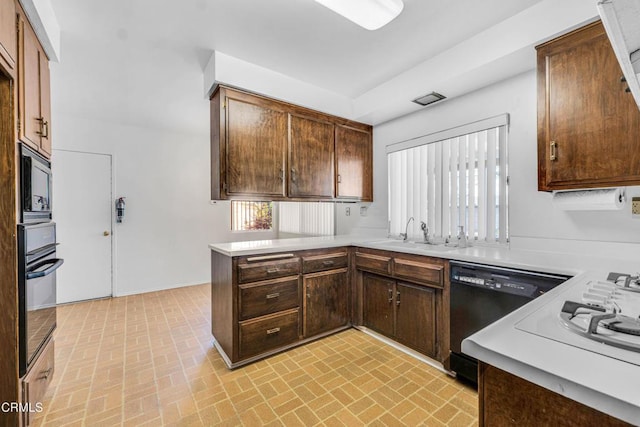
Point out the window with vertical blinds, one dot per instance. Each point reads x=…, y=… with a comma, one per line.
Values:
x=315, y=219
x=453, y=178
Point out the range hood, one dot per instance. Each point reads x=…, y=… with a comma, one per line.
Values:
x=621, y=19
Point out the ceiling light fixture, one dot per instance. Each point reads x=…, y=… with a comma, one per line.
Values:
x=429, y=98
x=369, y=14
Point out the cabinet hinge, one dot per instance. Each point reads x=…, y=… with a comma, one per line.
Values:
x=19, y=126
x=224, y=104
x=224, y=186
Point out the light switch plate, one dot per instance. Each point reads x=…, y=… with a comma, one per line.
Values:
x=635, y=207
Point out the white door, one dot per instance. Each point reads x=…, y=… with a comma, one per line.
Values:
x=82, y=210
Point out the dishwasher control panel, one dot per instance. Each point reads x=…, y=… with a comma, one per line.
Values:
x=515, y=282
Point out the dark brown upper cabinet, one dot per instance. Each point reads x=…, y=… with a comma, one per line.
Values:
x=354, y=164
x=34, y=88
x=311, y=153
x=264, y=149
x=588, y=124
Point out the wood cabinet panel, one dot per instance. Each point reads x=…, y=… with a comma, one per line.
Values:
x=372, y=262
x=45, y=104
x=330, y=261
x=378, y=300
x=8, y=34
x=506, y=399
x=252, y=272
x=416, y=317
x=588, y=126
x=29, y=85
x=34, y=90
x=326, y=301
x=262, y=298
x=37, y=380
x=267, y=333
x=418, y=271
x=311, y=153
x=256, y=141
x=354, y=164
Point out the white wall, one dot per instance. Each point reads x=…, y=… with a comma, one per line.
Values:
x=535, y=223
x=162, y=168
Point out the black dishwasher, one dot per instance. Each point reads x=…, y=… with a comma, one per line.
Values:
x=482, y=294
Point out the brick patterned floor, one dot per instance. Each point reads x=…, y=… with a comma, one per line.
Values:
x=147, y=360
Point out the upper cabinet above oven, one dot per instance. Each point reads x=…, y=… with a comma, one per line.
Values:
x=34, y=103
x=588, y=122
x=263, y=149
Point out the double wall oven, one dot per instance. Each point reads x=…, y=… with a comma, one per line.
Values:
x=37, y=260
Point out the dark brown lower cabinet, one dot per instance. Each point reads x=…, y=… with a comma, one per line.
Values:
x=415, y=317
x=402, y=311
x=378, y=303
x=508, y=400
x=326, y=301
x=263, y=304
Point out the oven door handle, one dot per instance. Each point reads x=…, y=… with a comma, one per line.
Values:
x=55, y=264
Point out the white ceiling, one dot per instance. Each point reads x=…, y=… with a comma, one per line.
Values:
x=298, y=38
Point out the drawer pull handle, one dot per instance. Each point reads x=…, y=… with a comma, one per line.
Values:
x=269, y=257
x=328, y=262
x=44, y=374
x=273, y=331
x=274, y=295
x=273, y=270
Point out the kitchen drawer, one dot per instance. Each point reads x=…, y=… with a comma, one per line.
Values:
x=371, y=262
x=255, y=269
x=268, y=333
x=268, y=297
x=36, y=381
x=314, y=263
x=420, y=272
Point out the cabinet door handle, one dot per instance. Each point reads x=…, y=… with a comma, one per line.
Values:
x=553, y=151
x=44, y=374
x=398, y=298
x=273, y=295
x=339, y=179
x=293, y=175
x=327, y=263
x=45, y=134
x=273, y=331
x=281, y=175
x=390, y=296
x=273, y=270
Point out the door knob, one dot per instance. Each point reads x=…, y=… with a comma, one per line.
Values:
x=105, y=233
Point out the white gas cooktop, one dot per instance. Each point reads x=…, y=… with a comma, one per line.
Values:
x=593, y=314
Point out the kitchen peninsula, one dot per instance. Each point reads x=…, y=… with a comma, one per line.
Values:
x=277, y=271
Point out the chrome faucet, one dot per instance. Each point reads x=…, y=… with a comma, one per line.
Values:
x=425, y=231
x=462, y=237
x=405, y=235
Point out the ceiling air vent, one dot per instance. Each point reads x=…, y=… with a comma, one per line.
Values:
x=429, y=98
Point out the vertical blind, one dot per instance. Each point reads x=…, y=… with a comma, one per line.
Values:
x=457, y=181
x=306, y=218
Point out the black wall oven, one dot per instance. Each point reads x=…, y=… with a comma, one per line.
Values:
x=37, y=265
x=35, y=186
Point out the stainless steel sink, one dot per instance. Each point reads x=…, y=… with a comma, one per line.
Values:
x=393, y=244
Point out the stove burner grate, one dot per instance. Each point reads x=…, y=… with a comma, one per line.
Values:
x=622, y=324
